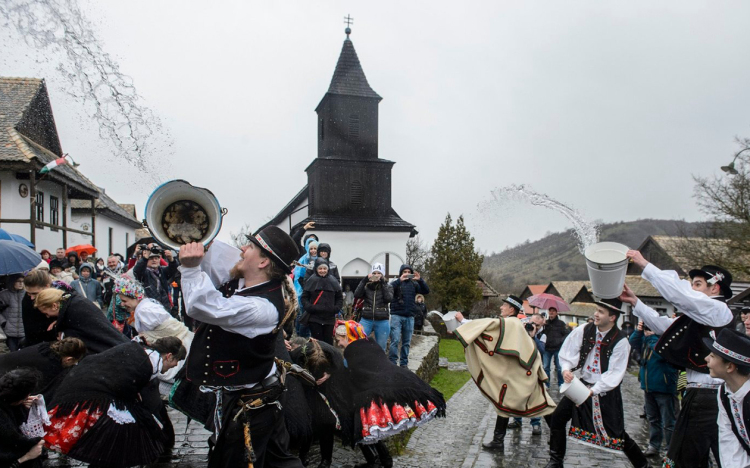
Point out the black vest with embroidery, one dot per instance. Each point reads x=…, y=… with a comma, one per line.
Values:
x=745, y=415
x=588, y=343
x=682, y=344
x=223, y=358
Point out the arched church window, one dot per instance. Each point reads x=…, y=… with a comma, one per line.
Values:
x=356, y=193
x=354, y=126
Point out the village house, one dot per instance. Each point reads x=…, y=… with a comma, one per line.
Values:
x=62, y=207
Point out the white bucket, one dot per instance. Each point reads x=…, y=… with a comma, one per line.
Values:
x=607, y=265
x=576, y=391
x=451, y=323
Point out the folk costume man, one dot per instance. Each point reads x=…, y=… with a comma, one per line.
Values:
x=729, y=360
x=233, y=350
x=507, y=367
x=702, y=302
x=600, y=352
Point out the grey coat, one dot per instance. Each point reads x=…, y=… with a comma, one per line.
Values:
x=10, y=312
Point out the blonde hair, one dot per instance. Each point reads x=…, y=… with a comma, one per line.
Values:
x=48, y=297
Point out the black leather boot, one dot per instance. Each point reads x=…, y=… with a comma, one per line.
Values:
x=635, y=454
x=386, y=461
x=556, y=448
x=498, y=439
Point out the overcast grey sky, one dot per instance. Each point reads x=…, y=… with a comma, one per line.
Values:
x=610, y=107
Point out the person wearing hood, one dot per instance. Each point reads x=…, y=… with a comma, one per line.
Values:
x=324, y=250
x=11, y=317
x=154, y=277
x=322, y=299
x=87, y=286
x=73, y=264
x=58, y=272
x=304, y=263
x=377, y=294
x=405, y=289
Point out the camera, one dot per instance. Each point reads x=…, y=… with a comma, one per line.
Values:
x=528, y=326
x=143, y=246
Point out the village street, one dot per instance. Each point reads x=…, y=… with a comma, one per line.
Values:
x=451, y=442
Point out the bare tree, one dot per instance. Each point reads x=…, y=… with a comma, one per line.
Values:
x=417, y=255
x=725, y=238
x=240, y=238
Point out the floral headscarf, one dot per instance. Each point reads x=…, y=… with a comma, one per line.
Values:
x=128, y=287
x=351, y=329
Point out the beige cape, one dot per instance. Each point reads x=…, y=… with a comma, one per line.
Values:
x=506, y=366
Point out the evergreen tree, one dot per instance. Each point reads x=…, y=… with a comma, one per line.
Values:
x=454, y=267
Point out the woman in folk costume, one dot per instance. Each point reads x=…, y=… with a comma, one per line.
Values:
x=17, y=449
x=326, y=399
x=600, y=351
x=77, y=317
x=96, y=414
x=506, y=365
x=384, y=399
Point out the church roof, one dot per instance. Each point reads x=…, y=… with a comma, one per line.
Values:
x=385, y=222
x=349, y=78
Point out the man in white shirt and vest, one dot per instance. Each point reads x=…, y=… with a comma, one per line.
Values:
x=232, y=354
x=702, y=302
x=600, y=352
x=729, y=360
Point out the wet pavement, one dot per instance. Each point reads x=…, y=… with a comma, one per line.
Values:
x=451, y=442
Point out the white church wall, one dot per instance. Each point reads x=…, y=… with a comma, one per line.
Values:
x=122, y=234
x=354, y=252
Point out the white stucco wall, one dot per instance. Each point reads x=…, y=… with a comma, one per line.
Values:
x=12, y=206
x=354, y=251
x=122, y=234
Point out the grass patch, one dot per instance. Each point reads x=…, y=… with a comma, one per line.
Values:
x=448, y=382
x=453, y=350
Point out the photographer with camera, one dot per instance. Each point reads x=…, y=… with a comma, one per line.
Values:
x=154, y=277
x=405, y=290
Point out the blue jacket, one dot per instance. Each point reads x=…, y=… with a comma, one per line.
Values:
x=405, y=293
x=656, y=375
x=299, y=272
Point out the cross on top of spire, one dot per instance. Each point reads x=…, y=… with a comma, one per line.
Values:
x=348, y=20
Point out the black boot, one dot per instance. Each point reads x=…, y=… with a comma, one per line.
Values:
x=370, y=456
x=634, y=453
x=556, y=448
x=324, y=464
x=498, y=439
x=386, y=461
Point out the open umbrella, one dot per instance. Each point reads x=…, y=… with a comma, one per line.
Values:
x=88, y=248
x=16, y=258
x=22, y=240
x=545, y=301
x=5, y=235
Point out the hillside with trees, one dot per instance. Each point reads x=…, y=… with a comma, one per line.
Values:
x=557, y=257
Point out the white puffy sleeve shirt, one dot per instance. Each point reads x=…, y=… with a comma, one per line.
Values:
x=731, y=451
x=603, y=383
x=246, y=315
x=148, y=315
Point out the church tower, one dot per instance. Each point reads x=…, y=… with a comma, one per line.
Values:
x=348, y=191
x=348, y=184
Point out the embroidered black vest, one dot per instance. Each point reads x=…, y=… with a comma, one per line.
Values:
x=745, y=415
x=223, y=358
x=682, y=344
x=588, y=343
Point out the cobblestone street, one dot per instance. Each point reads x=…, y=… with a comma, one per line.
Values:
x=451, y=442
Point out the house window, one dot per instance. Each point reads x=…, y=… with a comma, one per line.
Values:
x=110, y=241
x=127, y=241
x=356, y=193
x=40, y=207
x=54, y=212
x=354, y=126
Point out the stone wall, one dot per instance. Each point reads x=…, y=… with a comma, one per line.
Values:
x=423, y=356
